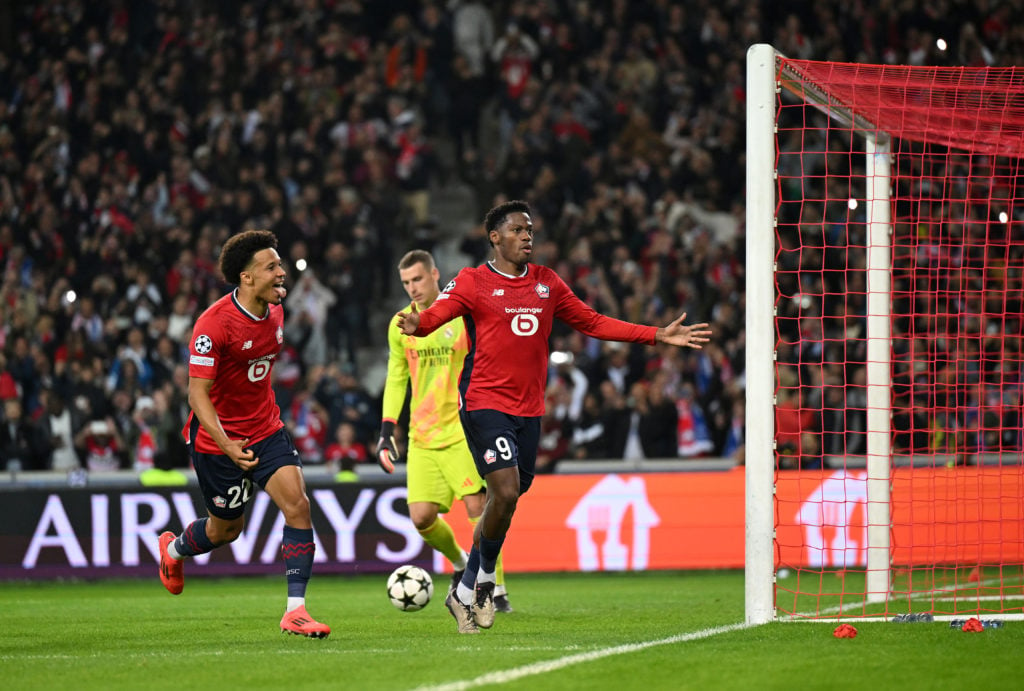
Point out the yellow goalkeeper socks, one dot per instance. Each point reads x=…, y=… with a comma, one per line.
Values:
x=499, y=575
x=441, y=537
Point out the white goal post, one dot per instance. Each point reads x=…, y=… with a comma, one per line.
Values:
x=764, y=82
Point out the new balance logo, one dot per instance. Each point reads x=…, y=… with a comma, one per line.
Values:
x=247, y=345
x=498, y=291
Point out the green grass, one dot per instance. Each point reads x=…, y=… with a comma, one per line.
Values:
x=630, y=631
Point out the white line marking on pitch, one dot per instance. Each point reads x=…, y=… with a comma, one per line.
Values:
x=507, y=675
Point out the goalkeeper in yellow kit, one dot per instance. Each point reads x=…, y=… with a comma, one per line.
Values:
x=440, y=467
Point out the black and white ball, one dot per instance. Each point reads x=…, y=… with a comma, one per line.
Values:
x=410, y=588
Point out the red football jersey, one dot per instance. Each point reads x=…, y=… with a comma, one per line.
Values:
x=509, y=320
x=237, y=350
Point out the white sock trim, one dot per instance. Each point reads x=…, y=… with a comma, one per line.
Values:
x=294, y=603
x=173, y=553
x=464, y=594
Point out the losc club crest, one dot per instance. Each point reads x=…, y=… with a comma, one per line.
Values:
x=543, y=291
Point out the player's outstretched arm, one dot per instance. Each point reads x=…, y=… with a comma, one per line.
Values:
x=679, y=334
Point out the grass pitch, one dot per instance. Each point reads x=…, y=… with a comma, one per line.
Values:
x=645, y=631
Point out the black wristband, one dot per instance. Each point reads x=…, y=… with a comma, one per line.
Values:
x=387, y=429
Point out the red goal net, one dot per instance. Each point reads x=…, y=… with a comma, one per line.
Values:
x=952, y=203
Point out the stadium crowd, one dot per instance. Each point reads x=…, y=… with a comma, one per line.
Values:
x=135, y=137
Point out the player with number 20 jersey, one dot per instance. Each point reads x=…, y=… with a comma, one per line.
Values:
x=236, y=350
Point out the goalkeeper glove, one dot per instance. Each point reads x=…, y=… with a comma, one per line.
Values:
x=387, y=451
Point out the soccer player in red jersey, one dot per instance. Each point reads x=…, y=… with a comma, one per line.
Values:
x=235, y=433
x=509, y=307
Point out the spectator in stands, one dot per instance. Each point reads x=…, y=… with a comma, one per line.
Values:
x=307, y=422
x=59, y=424
x=138, y=151
x=346, y=451
x=310, y=302
x=21, y=444
x=101, y=447
x=659, y=419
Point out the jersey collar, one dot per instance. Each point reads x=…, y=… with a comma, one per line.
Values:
x=490, y=265
x=234, y=299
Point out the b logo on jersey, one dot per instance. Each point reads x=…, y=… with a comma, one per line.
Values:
x=525, y=324
x=450, y=287
x=542, y=290
x=203, y=344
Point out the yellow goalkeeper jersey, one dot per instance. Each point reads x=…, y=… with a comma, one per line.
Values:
x=432, y=365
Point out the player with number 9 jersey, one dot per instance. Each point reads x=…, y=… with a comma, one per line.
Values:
x=509, y=321
x=236, y=350
x=509, y=306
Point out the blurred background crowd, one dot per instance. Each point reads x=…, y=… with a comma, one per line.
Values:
x=137, y=135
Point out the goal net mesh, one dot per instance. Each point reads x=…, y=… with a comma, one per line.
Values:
x=956, y=138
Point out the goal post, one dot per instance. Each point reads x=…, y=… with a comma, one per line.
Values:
x=759, y=366
x=884, y=340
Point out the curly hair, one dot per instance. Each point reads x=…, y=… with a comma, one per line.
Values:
x=496, y=216
x=239, y=250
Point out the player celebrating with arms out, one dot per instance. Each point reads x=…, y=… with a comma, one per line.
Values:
x=235, y=433
x=509, y=307
x=440, y=466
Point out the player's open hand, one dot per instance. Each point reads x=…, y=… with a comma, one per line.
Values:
x=678, y=334
x=243, y=458
x=409, y=321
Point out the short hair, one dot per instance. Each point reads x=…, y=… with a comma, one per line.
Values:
x=414, y=257
x=496, y=216
x=239, y=250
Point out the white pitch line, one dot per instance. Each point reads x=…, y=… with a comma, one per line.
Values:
x=507, y=675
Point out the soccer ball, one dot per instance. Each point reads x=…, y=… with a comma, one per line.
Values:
x=410, y=588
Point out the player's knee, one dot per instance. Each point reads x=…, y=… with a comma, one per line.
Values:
x=422, y=518
x=296, y=510
x=504, y=498
x=475, y=504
